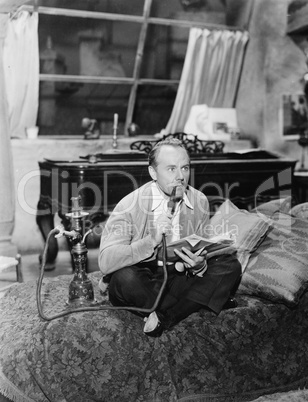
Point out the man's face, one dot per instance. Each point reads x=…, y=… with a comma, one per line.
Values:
x=172, y=168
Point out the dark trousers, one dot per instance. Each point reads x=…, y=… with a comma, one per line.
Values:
x=139, y=286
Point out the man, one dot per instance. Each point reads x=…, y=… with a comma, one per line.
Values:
x=134, y=232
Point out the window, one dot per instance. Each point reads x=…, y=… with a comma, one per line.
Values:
x=101, y=57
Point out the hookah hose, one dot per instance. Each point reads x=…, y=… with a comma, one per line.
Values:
x=100, y=307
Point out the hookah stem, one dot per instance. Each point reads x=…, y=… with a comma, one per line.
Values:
x=40, y=279
x=172, y=201
x=98, y=308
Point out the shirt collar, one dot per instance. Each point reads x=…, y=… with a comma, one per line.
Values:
x=158, y=198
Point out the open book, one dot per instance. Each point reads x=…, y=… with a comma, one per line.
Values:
x=196, y=243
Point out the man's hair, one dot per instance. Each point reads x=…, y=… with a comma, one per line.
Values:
x=155, y=150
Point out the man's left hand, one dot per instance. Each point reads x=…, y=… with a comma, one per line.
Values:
x=192, y=263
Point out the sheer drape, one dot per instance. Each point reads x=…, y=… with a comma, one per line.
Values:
x=211, y=73
x=21, y=72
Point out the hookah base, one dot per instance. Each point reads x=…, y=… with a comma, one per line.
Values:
x=81, y=303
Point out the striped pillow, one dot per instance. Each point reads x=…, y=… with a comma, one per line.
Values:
x=248, y=229
x=278, y=205
x=278, y=269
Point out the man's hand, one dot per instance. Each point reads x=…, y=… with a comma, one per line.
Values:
x=192, y=263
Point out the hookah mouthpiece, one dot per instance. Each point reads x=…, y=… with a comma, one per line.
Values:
x=176, y=196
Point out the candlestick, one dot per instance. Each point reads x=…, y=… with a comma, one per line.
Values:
x=115, y=120
x=115, y=129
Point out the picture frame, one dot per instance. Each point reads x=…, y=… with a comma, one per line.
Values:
x=294, y=115
x=220, y=128
x=211, y=123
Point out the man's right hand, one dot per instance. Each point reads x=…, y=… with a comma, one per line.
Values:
x=162, y=225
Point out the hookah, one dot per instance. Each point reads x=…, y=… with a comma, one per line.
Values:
x=80, y=289
x=81, y=293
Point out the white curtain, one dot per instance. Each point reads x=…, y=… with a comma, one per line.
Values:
x=21, y=72
x=211, y=73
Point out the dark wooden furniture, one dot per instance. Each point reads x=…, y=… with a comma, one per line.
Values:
x=301, y=186
x=246, y=180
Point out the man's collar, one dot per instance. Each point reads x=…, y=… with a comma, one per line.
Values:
x=158, y=197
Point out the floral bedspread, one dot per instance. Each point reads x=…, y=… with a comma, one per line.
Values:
x=255, y=349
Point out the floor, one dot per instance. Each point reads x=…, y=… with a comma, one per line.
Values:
x=30, y=267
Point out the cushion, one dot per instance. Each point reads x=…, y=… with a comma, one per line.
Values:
x=278, y=269
x=247, y=228
x=269, y=208
x=300, y=210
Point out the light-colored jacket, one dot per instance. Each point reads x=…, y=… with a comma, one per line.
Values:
x=127, y=237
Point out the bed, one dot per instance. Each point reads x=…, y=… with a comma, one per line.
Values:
x=258, y=348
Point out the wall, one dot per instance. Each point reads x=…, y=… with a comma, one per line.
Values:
x=274, y=66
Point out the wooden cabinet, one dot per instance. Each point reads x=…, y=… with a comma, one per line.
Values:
x=300, y=184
